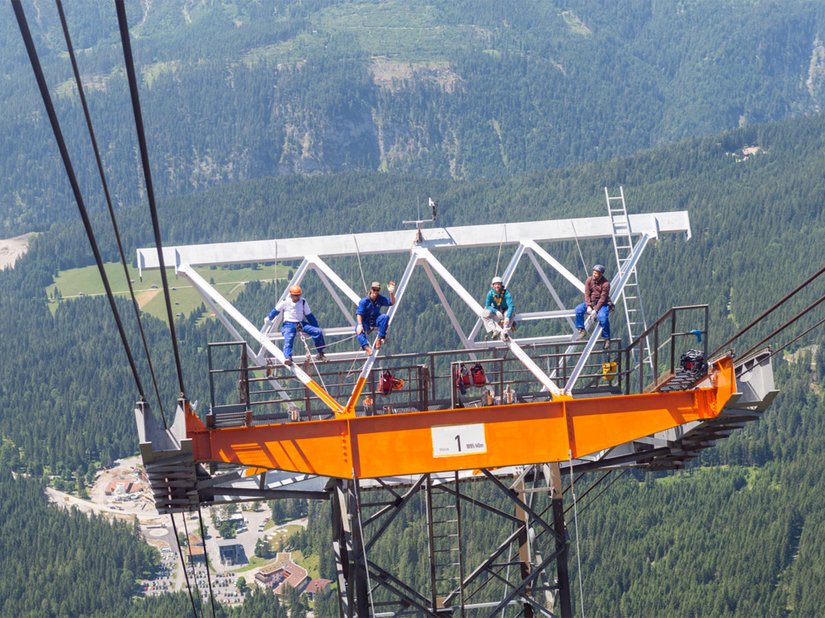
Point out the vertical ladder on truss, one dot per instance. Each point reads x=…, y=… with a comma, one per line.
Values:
x=622, y=249
x=444, y=536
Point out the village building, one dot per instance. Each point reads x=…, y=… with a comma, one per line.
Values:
x=316, y=586
x=283, y=572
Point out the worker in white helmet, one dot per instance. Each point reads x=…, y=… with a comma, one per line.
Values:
x=498, y=309
x=297, y=317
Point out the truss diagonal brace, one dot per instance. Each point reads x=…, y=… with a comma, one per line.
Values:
x=616, y=289
x=207, y=290
x=365, y=371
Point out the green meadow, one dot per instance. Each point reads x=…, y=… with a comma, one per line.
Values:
x=82, y=282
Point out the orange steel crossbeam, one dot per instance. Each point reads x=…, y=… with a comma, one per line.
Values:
x=460, y=439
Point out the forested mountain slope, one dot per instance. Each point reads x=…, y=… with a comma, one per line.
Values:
x=447, y=88
x=740, y=538
x=757, y=225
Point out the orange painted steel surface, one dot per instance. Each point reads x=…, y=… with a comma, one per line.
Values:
x=494, y=436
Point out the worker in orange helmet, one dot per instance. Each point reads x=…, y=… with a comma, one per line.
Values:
x=297, y=317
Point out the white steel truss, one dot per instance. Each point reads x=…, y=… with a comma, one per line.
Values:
x=421, y=247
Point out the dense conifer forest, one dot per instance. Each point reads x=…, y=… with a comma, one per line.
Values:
x=502, y=112
x=749, y=516
x=445, y=89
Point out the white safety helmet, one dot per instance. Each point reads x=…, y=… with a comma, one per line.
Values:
x=496, y=280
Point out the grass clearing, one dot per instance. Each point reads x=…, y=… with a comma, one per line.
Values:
x=396, y=30
x=254, y=563
x=81, y=282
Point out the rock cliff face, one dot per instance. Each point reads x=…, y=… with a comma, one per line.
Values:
x=815, y=83
x=235, y=91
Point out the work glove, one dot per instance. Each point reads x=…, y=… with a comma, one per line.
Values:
x=589, y=310
x=359, y=329
x=391, y=287
x=506, y=323
x=499, y=315
x=267, y=321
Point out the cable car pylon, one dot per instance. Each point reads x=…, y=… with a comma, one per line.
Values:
x=547, y=406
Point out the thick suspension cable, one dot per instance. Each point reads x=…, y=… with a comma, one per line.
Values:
x=183, y=563
x=67, y=163
x=769, y=311
x=147, y=174
x=206, y=561
x=785, y=325
x=798, y=337
x=191, y=562
x=105, y=186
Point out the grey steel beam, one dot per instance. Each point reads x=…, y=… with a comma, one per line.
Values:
x=382, y=243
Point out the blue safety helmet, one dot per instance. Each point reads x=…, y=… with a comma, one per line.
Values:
x=599, y=268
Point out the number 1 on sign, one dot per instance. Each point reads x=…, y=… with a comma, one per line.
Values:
x=452, y=440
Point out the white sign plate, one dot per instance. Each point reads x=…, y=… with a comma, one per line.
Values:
x=452, y=440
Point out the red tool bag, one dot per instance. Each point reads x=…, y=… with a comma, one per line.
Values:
x=389, y=383
x=479, y=378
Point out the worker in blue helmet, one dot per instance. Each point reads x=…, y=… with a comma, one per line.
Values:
x=596, y=303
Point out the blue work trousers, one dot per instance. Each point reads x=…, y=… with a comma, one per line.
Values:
x=602, y=318
x=290, y=329
x=382, y=322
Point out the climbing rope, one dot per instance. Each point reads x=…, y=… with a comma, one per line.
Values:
x=500, y=244
x=581, y=255
x=311, y=358
x=358, y=255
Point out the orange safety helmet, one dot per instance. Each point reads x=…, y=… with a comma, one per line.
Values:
x=295, y=289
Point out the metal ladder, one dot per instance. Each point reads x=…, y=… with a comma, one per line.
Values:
x=622, y=249
x=444, y=536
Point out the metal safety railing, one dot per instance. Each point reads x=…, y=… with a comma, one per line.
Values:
x=676, y=332
x=243, y=392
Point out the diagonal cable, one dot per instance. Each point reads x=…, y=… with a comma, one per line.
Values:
x=183, y=562
x=784, y=326
x=67, y=163
x=206, y=559
x=769, y=311
x=147, y=173
x=105, y=185
x=798, y=337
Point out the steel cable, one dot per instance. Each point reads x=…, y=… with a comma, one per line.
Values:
x=206, y=560
x=768, y=312
x=105, y=186
x=783, y=326
x=147, y=173
x=67, y=163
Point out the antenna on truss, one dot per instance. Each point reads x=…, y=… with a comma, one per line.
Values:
x=417, y=222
